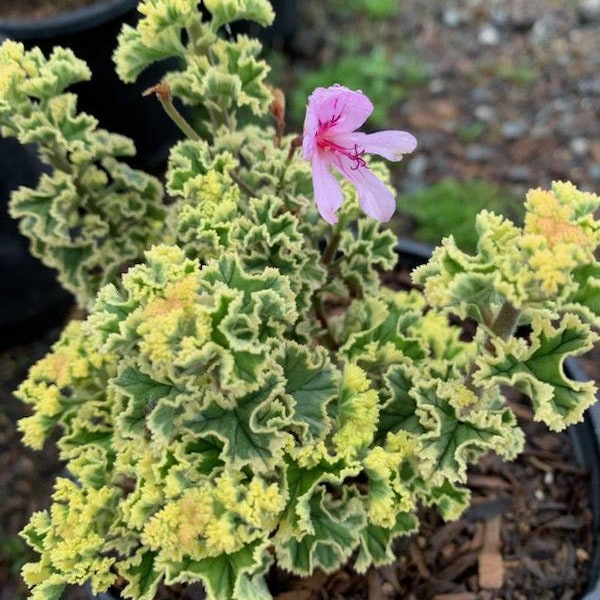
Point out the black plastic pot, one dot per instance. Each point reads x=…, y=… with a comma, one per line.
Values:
x=31, y=300
x=585, y=436
x=91, y=33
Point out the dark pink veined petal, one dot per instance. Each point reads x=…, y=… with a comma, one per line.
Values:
x=338, y=109
x=328, y=192
x=374, y=197
x=389, y=144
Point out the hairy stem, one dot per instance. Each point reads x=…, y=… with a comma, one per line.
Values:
x=319, y=309
x=242, y=184
x=163, y=92
x=502, y=326
x=506, y=320
x=333, y=243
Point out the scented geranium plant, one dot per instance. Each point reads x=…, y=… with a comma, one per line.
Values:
x=243, y=390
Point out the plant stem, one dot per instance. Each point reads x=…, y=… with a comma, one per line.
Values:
x=502, y=326
x=506, y=320
x=319, y=309
x=333, y=243
x=242, y=184
x=163, y=92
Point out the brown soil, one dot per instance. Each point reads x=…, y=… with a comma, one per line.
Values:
x=40, y=9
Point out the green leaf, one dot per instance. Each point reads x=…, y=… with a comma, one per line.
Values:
x=245, y=429
x=143, y=579
x=537, y=370
x=301, y=482
x=140, y=395
x=376, y=542
x=228, y=11
x=221, y=575
x=311, y=380
x=585, y=300
x=450, y=500
x=336, y=526
x=399, y=410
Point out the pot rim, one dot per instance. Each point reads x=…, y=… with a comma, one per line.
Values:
x=70, y=21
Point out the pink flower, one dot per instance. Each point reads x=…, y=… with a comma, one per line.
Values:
x=330, y=141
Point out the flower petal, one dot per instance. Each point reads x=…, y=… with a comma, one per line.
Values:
x=389, y=144
x=374, y=196
x=328, y=192
x=337, y=108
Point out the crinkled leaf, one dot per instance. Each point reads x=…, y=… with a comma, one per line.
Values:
x=335, y=525
x=537, y=370
x=221, y=575
x=246, y=430
x=311, y=381
x=376, y=542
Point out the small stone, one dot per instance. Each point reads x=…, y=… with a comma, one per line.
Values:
x=519, y=173
x=436, y=86
x=417, y=166
x=543, y=29
x=514, y=129
x=589, y=10
x=500, y=16
x=486, y=113
x=579, y=146
x=488, y=35
x=589, y=86
x=479, y=153
x=452, y=17
x=594, y=172
x=481, y=94
x=523, y=14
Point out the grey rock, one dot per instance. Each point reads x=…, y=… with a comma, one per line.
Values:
x=519, y=173
x=515, y=129
x=452, y=17
x=481, y=94
x=436, y=86
x=485, y=112
x=579, y=146
x=417, y=166
x=589, y=86
x=479, y=153
x=594, y=171
x=488, y=35
x=543, y=29
x=589, y=10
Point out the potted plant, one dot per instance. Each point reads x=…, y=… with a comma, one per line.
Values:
x=243, y=390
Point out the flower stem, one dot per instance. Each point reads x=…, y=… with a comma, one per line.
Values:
x=333, y=243
x=502, y=326
x=319, y=309
x=506, y=320
x=163, y=92
x=242, y=184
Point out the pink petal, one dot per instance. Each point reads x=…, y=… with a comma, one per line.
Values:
x=374, y=196
x=339, y=109
x=328, y=192
x=389, y=144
